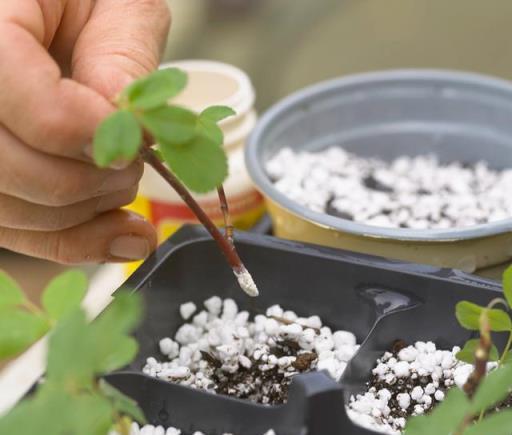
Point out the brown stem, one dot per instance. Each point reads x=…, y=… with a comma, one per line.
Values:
x=226, y=247
x=228, y=225
x=481, y=357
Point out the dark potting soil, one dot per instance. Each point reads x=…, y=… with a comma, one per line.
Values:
x=269, y=387
x=406, y=385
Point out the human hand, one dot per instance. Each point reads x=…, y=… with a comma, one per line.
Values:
x=63, y=61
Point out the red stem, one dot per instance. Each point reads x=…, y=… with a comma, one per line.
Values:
x=226, y=247
x=228, y=225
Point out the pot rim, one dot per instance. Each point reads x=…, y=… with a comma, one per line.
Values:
x=264, y=184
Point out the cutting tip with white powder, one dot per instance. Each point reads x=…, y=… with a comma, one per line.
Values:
x=246, y=282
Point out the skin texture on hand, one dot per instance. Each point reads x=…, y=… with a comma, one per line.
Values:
x=63, y=61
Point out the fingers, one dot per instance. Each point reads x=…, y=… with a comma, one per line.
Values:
x=122, y=40
x=55, y=181
x=74, y=16
x=52, y=114
x=114, y=236
x=18, y=214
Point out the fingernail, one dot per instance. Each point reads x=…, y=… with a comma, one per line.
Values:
x=119, y=164
x=130, y=248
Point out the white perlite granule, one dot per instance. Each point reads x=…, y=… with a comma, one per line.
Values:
x=408, y=383
x=222, y=351
x=418, y=192
x=148, y=429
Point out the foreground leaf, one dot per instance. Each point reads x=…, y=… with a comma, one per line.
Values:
x=155, y=89
x=499, y=423
x=118, y=137
x=112, y=348
x=467, y=354
x=508, y=358
x=122, y=315
x=201, y=165
x=493, y=389
x=92, y=415
x=114, y=352
x=10, y=292
x=445, y=418
x=22, y=420
x=65, y=293
x=122, y=404
x=43, y=413
x=170, y=124
x=217, y=113
x=71, y=353
x=468, y=315
x=18, y=330
x=507, y=285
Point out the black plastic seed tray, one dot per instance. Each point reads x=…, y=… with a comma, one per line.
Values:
x=378, y=300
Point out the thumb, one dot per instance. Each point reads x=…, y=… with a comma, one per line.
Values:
x=122, y=41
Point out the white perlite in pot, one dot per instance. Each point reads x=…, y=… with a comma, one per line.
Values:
x=222, y=351
x=418, y=193
x=407, y=383
x=148, y=429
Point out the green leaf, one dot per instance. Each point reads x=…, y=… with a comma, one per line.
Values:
x=467, y=354
x=499, y=423
x=10, y=292
x=43, y=413
x=21, y=420
x=207, y=123
x=468, y=315
x=444, y=419
x=118, y=137
x=155, y=89
x=170, y=124
x=494, y=388
x=113, y=349
x=114, y=352
x=92, y=415
x=210, y=130
x=122, y=315
x=508, y=358
x=65, y=293
x=122, y=403
x=71, y=353
x=499, y=320
x=18, y=330
x=201, y=165
x=507, y=285
x=217, y=113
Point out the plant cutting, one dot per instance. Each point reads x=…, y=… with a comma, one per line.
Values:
x=188, y=153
